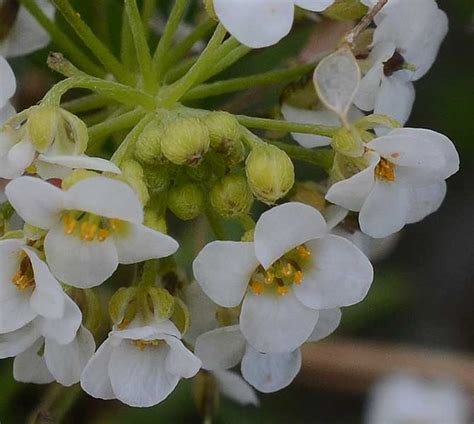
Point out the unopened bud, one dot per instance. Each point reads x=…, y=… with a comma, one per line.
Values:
x=148, y=147
x=309, y=193
x=186, y=201
x=236, y=154
x=270, y=173
x=133, y=175
x=121, y=305
x=224, y=130
x=155, y=220
x=180, y=316
x=157, y=178
x=162, y=301
x=348, y=142
x=185, y=141
x=42, y=126
x=346, y=10
x=231, y=196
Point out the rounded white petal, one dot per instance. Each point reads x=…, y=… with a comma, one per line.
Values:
x=138, y=243
x=7, y=82
x=314, y=5
x=180, y=360
x=425, y=201
x=353, y=192
x=64, y=329
x=386, y=209
x=81, y=161
x=66, y=362
x=329, y=320
x=95, y=378
x=285, y=227
x=234, y=387
x=273, y=323
x=221, y=348
x=30, y=367
x=139, y=376
x=270, y=372
x=105, y=197
x=47, y=298
x=18, y=158
x=37, y=202
x=6, y=112
x=137, y=331
x=223, y=270
x=334, y=215
x=256, y=23
x=16, y=342
x=339, y=274
x=77, y=262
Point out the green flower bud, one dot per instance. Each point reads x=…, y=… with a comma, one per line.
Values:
x=133, y=175
x=236, y=154
x=224, y=130
x=202, y=172
x=148, y=147
x=163, y=303
x=231, y=196
x=270, y=173
x=122, y=307
x=346, y=10
x=157, y=178
x=347, y=141
x=180, y=316
x=186, y=201
x=301, y=94
x=155, y=220
x=185, y=141
x=309, y=193
x=42, y=126
x=345, y=167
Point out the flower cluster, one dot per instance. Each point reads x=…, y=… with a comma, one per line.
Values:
x=254, y=301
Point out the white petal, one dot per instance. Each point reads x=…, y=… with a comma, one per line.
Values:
x=334, y=215
x=6, y=112
x=64, y=329
x=139, y=376
x=66, y=362
x=234, y=387
x=285, y=227
x=95, y=378
x=273, y=323
x=47, y=298
x=314, y=5
x=223, y=270
x=425, y=201
x=339, y=274
x=270, y=372
x=105, y=197
x=37, y=202
x=7, y=82
x=137, y=331
x=29, y=367
x=328, y=321
x=16, y=342
x=81, y=161
x=221, y=348
x=138, y=243
x=369, y=88
x=18, y=158
x=352, y=192
x=180, y=360
x=386, y=210
x=256, y=23
x=77, y=262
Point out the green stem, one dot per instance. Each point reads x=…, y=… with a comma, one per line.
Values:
x=323, y=158
x=127, y=49
x=148, y=10
x=227, y=61
x=150, y=272
x=141, y=44
x=286, y=126
x=166, y=40
x=243, y=83
x=101, y=52
x=86, y=103
x=117, y=123
x=179, y=71
x=62, y=40
x=215, y=222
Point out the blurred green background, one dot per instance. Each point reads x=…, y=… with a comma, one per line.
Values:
x=423, y=294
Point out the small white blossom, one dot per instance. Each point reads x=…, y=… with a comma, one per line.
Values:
x=91, y=228
x=140, y=365
x=403, y=182
x=405, y=398
x=292, y=270
x=405, y=46
x=261, y=23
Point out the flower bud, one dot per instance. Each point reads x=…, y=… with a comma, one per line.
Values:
x=310, y=194
x=133, y=175
x=236, y=154
x=42, y=126
x=224, y=130
x=270, y=173
x=157, y=178
x=186, y=201
x=155, y=220
x=231, y=196
x=185, y=141
x=180, y=316
x=148, y=147
x=163, y=303
x=122, y=307
x=301, y=94
x=346, y=10
x=348, y=142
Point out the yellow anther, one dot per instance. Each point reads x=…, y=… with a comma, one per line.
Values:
x=124, y=324
x=142, y=344
x=303, y=252
x=269, y=277
x=288, y=270
x=69, y=224
x=88, y=231
x=103, y=234
x=115, y=223
x=298, y=277
x=257, y=288
x=22, y=281
x=282, y=290
x=385, y=170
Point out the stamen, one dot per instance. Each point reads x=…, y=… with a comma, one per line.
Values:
x=115, y=223
x=269, y=277
x=288, y=270
x=142, y=344
x=257, y=288
x=385, y=170
x=282, y=290
x=298, y=277
x=69, y=224
x=103, y=234
x=303, y=252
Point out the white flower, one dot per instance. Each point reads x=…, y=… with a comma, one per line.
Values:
x=405, y=398
x=408, y=37
x=225, y=347
x=140, y=365
x=233, y=386
x=261, y=23
x=7, y=87
x=403, y=182
x=91, y=228
x=25, y=35
x=291, y=270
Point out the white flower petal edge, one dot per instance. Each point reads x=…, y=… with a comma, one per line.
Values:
x=7, y=82
x=328, y=322
x=233, y=386
x=30, y=367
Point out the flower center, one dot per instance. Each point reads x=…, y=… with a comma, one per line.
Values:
x=24, y=277
x=385, y=170
x=90, y=227
x=143, y=344
x=282, y=274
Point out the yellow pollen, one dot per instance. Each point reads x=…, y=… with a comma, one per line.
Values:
x=298, y=277
x=115, y=223
x=269, y=277
x=385, y=170
x=303, y=252
x=257, y=288
x=69, y=224
x=142, y=344
x=103, y=234
x=282, y=290
x=88, y=231
x=22, y=281
x=288, y=270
